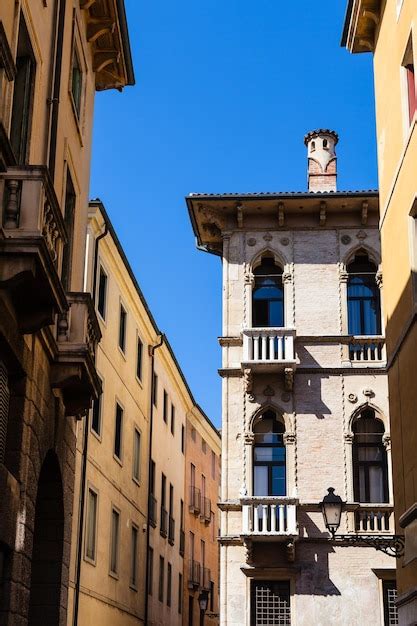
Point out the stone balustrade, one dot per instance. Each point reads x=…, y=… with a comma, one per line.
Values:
x=372, y=519
x=367, y=350
x=274, y=346
x=269, y=516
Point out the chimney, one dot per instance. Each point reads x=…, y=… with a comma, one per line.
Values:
x=321, y=154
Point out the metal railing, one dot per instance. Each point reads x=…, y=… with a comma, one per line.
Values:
x=272, y=516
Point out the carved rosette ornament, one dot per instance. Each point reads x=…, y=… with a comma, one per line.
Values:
x=269, y=392
x=267, y=237
x=352, y=397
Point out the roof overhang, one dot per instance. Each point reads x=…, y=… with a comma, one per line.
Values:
x=108, y=35
x=213, y=216
x=361, y=25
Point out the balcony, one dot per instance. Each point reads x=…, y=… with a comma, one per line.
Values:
x=367, y=351
x=205, y=514
x=171, y=530
x=194, y=576
x=163, y=529
x=182, y=542
x=32, y=237
x=73, y=371
x=152, y=510
x=195, y=500
x=206, y=578
x=268, y=349
x=269, y=518
x=372, y=519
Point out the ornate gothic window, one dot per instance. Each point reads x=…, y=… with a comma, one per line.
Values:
x=364, y=307
x=370, y=465
x=268, y=295
x=269, y=462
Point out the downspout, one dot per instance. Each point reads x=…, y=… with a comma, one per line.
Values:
x=54, y=101
x=83, y=478
x=152, y=350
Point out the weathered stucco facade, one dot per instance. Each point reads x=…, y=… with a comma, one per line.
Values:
x=389, y=31
x=51, y=63
x=313, y=381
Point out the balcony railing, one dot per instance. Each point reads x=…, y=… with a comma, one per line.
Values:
x=171, y=530
x=373, y=519
x=182, y=542
x=205, y=510
x=206, y=578
x=32, y=245
x=195, y=500
x=367, y=350
x=74, y=372
x=269, y=348
x=163, y=529
x=194, y=576
x=269, y=516
x=152, y=510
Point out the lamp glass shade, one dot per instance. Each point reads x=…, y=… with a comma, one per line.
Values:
x=203, y=601
x=332, y=507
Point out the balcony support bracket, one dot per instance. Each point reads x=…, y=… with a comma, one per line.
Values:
x=288, y=378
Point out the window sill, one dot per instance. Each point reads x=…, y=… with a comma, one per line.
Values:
x=90, y=561
x=118, y=459
x=101, y=318
x=114, y=575
x=139, y=381
x=123, y=353
x=97, y=435
x=136, y=481
x=133, y=587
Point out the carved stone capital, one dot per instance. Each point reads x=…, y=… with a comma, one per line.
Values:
x=248, y=438
x=378, y=279
x=343, y=276
x=348, y=437
x=289, y=438
x=287, y=278
x=248, y=551
x=386, y=440
x=249, y=279
x=290, y=548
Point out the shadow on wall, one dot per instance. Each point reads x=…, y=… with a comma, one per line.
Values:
x=309, y=388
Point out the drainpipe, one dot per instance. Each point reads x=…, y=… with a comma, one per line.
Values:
x=83, y=479
x=152, y=350
x=54, y=100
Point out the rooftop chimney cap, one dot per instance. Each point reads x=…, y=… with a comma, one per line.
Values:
x=318, y=133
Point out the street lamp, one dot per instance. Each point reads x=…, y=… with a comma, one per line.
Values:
x=203, y=602
x=332, y=507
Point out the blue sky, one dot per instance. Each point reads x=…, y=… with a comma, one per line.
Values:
x=225, y=91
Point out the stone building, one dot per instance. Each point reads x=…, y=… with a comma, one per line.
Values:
x=54, y=55
x=135, y=487
x=305, y=401
x=389, y=31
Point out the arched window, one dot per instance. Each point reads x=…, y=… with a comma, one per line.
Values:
x=269, y=467
x=268, y=295
x=364, y=305
x=370, y=465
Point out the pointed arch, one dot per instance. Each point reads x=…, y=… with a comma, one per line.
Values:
x=372, y=254
x=270, y=406
x=279, y=259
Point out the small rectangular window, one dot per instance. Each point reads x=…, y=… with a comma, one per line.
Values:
x=389, y=588
x=410, y=87
x=114, y=545
x=90, y=549
x=203, y=446
x=213, y=465
x=136, y=454
x=118, y=429
x=96, y=416
x=193, y=434
x=211, y=596
x=155, y=390
x=139, y=357
x=76, y=82
x=134, y=557
x=122, y=328
x=102, y=293
x=165, y=409
x=161, y=579
x=180, y=593
x=169, y=584
x=172, y=419
x=150, y=571
x=182, y=438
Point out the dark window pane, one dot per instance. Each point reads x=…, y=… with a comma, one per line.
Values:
x=118, y=431
x=76, y=82
x=69, y=215
x=122, y=328
x=96, y=421
x=139, y=360
x=102, y=293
